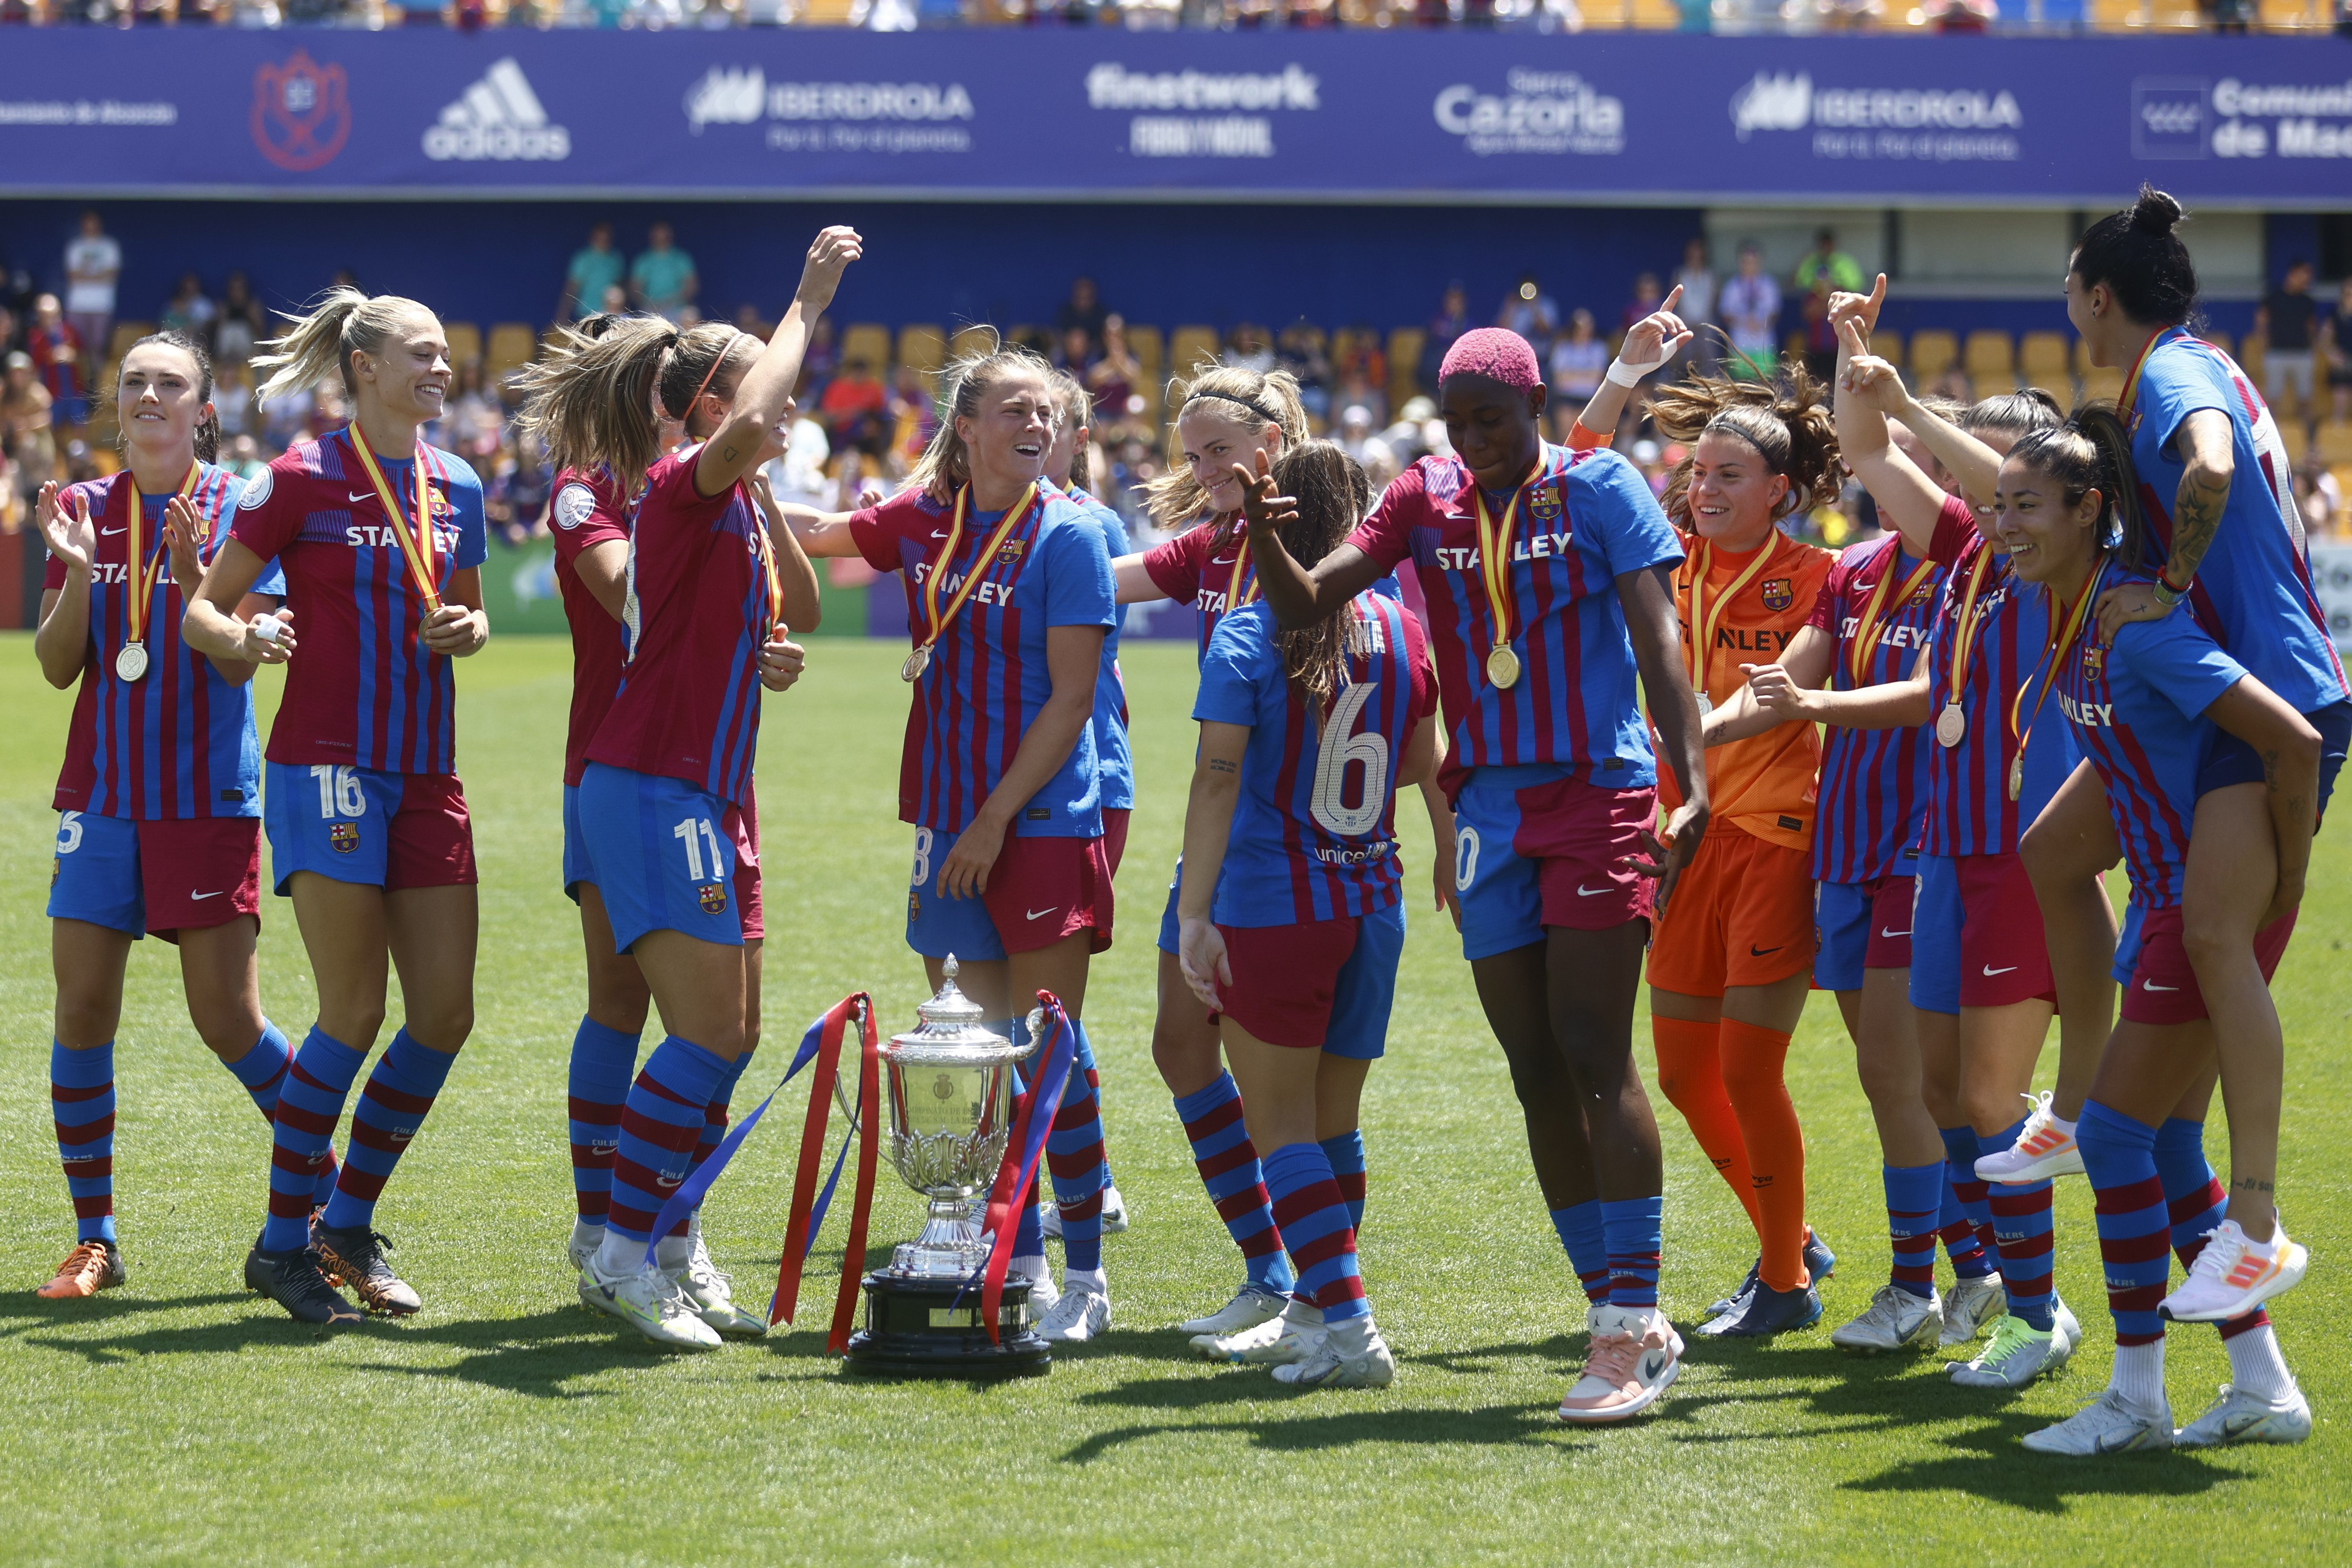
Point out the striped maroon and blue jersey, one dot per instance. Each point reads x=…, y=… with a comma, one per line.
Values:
x=1874, y=781
x=1114, y=758
x=2252, y=593
x=588, y=510
x=988, y=677
x=1586, y=521
x=1196, y=568
x=1314, y=831
x=1968, y=810
x=2137, y=708
x=687, y=706
x=178, y=742
x=364, y=690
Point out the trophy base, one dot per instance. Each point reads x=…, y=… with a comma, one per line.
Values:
x=932, y=1328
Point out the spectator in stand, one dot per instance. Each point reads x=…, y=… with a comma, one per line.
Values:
x=1356, y=437
x=1452, y=320
x=58, y=361
x=475, y=422
x=663, y=279
x=1112, y=379
x=1826, y=260
x=1361, y=359
x=242, y=322
x=242, y=457
x=749, y=318
x=914, y=419
x=516, y=501
x=1749, y=303
x=595, y=268
x=1647, y=297
x=852, y=409
x=8, y=325
x=820, y=361
x=190, y=311
x=233, y=397
x=1248, y=349
x=25, y=416
x=1417, y=432
x=1531, y=313
x=1579, y=361
x=797, y=478
x=1076, y=352
x=1696, y=278
x=1820, y=335
x=2288, y=318
x=2337, y=339
x=1084, y=307
x=2320, y=497
x=1962, y=15
x=93, y=267
x=1300, y=351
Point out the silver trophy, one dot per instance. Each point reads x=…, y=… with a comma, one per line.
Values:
x=950, y=1084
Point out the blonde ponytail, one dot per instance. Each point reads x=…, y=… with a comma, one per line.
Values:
x=343, y=322
x=1258, y=402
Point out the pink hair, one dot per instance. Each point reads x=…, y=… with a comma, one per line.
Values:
x=1495, y=354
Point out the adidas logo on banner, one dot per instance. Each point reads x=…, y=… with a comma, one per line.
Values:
x=498, y=118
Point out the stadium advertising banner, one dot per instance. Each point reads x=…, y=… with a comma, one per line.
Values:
x=1505, y=117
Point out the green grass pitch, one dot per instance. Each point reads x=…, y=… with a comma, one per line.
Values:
x=181, y=1420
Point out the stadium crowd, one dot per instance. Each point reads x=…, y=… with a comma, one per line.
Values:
x=865, y=397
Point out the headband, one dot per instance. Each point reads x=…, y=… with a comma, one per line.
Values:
x=1230, y=397
x=707, y=376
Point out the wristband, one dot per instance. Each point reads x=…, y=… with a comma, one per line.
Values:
x=1626, y=375
x=2166, y=594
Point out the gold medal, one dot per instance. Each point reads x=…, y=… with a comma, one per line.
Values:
x=1706, y=702
x=2016, y=777
x=1502, y=666
x=917, y=663
x=130, y=663
x=1494, y=566
x=1951, y=726
x=935, y=617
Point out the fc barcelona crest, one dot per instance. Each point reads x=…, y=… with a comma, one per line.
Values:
x=2094, y=662
x=1546, y=503
x=714, y=897
x=914, y=905
x=1012, y=552
x=344, y=836
x=1779, y=592
x=301, y=114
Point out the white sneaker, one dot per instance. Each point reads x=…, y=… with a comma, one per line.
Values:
x=1114, y=1211
x=2018, y=1355
x=1894, y=1320
x=1251, y=1305
x=2237, y=1417
x=2234, y=1276
x=2044, y=1149
x=585, y=1240
x=2064, y=1324
x=710, y=1292
x=1971, y=1306
x=2107, y=1424
x=1333, y=1364
x=1293, y=1336
x=1043, y=1293
x=649, y=1302
x=1636, y=1358
x=1077, y=1316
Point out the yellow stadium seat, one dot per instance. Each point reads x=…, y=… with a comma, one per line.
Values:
x=829, y=13
x=1606, y=16
x=125, y=334
x=465, y=342
x=2042, y=356
x=2336, y=442
x=1190, y=349
x=1889, y=346
x=977, y=338
x=2290, y=16
x=2291, y=433
x=926, y=349
x=2115, y=16
x=868, y=344
x=1990, y=360
x=1405, y=344
x=1150, y=358
x=1656, y=16
x=1932, y=353
x=2101, y=385
x=513, y=346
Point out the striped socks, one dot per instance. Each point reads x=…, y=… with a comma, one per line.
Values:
x=1346, y=1153
x=2134, y=1230
x=661, y=1121
x=2195, y=1204
x=1228, y=1165
x=309, y=1102
x=601, y=1061
x=1915, y=1206
x=1074, y=1158
x=2021, y=1235
x=262, y=1070
x=392, y=1108
x=1632, y=1228
x=1313, y=1215
x=1582, y=1232
x=81, y=1105
x=1967, y=1203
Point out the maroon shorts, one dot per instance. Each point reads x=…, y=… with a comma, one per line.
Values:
x=742, y=825
x=1042, y=890
x=2163, y=989
x=1286, y=978
x=1115, y=834
x=2004, y=957
x=1890, y=924
x=1532, y=852
x=432, y=835
x=199, y=872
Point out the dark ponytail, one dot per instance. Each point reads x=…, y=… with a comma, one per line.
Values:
x=1333, y=495
x=208, y=430
x=2136, y=254
x=2092, y=451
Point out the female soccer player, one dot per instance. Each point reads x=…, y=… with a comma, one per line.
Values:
x=2146, y=708
x=1978, y=955
x=591, y=528
x=2220, y=504
x=1549, y=582
x=1009, y=600
x=662, y=797
x=382, y=538
x=1294, y=919
x=160, y=799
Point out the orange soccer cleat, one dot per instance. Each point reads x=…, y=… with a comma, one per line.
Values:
x=89, y=1268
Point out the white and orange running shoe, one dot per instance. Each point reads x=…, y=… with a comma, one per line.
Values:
x=89, y=1268
x=1636, y=1358
x=2045, y=1148
x=2234, y=1274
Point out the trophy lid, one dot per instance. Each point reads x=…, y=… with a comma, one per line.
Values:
x=954, y=1029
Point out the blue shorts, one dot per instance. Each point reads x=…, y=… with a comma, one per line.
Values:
x=160, y=877
x=1040, y=889
x=1367, y=989
x=370, y=827
x=1169, y=923
x=2228, y=760
x=662, y=853
x=1842, y=933
x=1534, y=847
x=2127, y=949
x=1326, y=985
x=938, y=927
x=575, y=845
x=1936, y=921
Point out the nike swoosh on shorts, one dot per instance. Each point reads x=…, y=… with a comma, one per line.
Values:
x=1756, y=952
x=1584, y=892
x=200, y=897
x=2152, y=986
x=1882, y=931
x=1041, y=914
x=1990, y=971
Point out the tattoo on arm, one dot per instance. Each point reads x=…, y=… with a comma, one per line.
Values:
x=2251, y=1184
x=1219, y=765
x=2196, y=518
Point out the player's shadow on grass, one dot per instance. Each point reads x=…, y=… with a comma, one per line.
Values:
x=21, y=1318
x=1985, y=1461
x=1490, y=1425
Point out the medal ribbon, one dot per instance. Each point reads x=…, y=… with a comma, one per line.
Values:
x=1494, y=557
x=2053, y=653
x=1869, y=629
x=775, y=584
x=935, y=619
x=143, y=575
x=1964, y=634
x=1703, y=624
x=2124, y=403
x=421, y=550
x=1234, y=592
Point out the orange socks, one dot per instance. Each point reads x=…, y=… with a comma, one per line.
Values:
x=1690, y=1075
x=1752, y=1063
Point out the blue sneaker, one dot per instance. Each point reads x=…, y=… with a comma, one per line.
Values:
x=1771, y=1312
x=1820, y=1261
